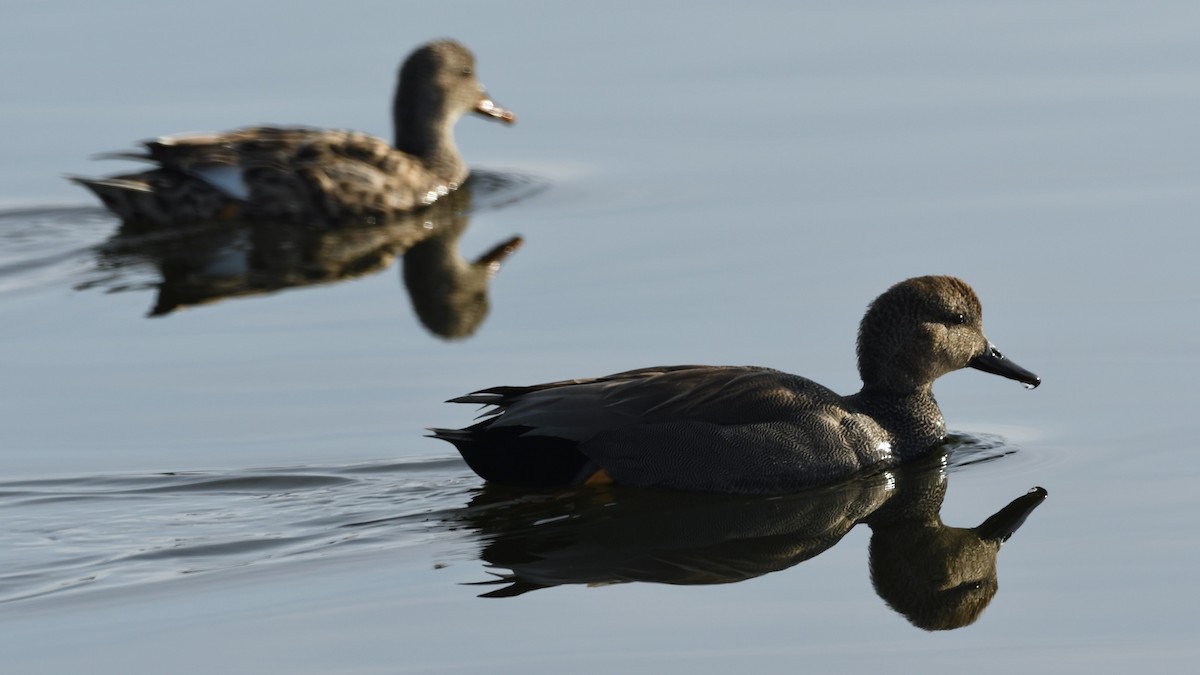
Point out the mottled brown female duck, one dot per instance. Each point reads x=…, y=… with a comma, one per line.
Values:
x=742, y=429
x=314, y=176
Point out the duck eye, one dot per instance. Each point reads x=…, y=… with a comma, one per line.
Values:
x=467, y=71
x=960, y=319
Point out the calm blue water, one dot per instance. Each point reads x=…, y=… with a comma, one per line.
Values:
x=242, y=484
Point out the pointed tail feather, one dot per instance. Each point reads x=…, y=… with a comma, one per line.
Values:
x=450, y=435
x=130, y=199
x=125, y=154
x=501, y=396
x=102, y=186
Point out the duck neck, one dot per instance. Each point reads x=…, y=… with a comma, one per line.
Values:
x=911, y=417
x=428, y=135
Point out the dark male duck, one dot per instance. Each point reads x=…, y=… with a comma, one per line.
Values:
x=742, y=429
x=313, y=176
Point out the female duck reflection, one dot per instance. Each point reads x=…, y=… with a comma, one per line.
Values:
x=208, y=264
x=939, y=577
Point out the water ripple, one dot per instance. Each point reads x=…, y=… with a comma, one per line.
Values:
x=55, y=245
x=73, y=533
x=77, y=533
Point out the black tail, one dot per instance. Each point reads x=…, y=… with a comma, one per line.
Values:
x=507, y=457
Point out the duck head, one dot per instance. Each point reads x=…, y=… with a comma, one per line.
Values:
x=942, y=577
x=437, y=85
x=923, y=328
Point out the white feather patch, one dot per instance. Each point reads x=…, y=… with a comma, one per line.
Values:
x=227, y=179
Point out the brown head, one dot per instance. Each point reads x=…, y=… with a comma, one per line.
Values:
x=923, y=328
x=438, y=85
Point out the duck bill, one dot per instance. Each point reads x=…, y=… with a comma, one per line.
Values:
x=488, y=108
x=1007, y=520
x=498, y=253
x=992, y=361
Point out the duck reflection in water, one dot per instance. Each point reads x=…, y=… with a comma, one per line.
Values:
x=939, y=577
x=226, y=260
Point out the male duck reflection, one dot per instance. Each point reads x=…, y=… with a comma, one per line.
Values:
x=742, y=429
x=939, y=577
x=313, y=175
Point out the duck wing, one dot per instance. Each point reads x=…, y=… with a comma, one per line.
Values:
x=577, y=409
x=289, y=173
x=719, y=428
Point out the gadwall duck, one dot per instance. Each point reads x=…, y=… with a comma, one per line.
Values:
x=313, y=176
x=742, y=429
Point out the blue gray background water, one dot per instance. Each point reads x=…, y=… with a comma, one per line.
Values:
x=243, y=486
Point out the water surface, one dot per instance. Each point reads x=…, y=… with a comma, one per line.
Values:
x=242, y=483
